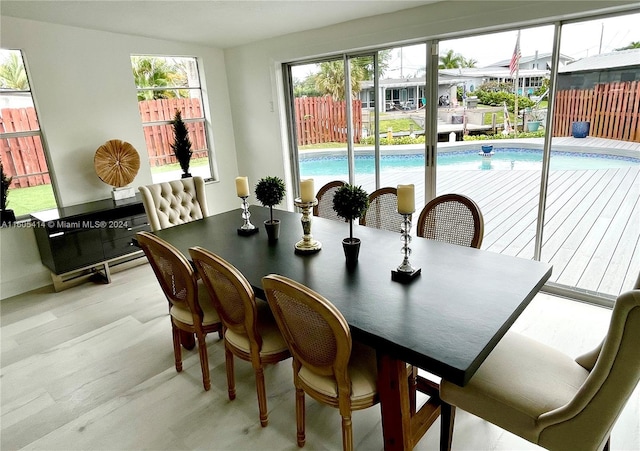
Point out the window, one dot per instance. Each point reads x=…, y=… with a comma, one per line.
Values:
x=165, y=85
x=21, y=146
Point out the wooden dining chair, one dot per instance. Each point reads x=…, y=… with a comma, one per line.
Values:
x=452, y=218
x=327, y=364
x=324, y=209
x=250, y=331
x=548, y=398
x=383, y=210
x=190, y=306
x=172, y=203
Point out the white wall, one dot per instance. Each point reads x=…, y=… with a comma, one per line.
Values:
x=85, y=95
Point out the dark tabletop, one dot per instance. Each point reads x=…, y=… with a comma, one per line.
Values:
x=446, y=321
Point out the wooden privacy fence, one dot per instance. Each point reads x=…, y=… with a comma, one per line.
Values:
x=322, y=120
x=612, y=109
x=160, y=137
x=22, y=157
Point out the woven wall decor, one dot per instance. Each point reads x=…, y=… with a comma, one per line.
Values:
x=117, y=163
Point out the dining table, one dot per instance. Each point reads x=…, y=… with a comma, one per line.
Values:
x=445, y=321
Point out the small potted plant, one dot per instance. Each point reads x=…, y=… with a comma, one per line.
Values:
x=269, y=192
x=181, y=144
x=350, y=202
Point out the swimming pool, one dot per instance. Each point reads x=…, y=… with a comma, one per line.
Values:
x=502, y=159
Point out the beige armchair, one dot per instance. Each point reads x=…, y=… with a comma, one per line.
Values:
x=546, y=397
x=171, y=203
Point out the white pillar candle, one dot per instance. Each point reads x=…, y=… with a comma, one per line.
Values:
x=242, y=186
x=307, y=192
x=406, y=199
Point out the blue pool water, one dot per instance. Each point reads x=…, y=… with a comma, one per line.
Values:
x=502, y=159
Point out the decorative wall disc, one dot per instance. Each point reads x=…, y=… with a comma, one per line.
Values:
x=117, y=163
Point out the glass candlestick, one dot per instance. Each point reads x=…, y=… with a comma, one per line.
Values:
x=247, y=228
x=307, y=245
x=405, y=272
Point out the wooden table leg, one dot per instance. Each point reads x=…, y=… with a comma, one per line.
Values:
x=393, y=389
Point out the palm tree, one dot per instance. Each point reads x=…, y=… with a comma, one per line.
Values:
x=12, y=73
x=330, y=80
x=150, y=72
x=451, y=60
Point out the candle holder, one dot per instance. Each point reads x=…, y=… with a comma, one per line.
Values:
x=307, y=245
x=247, y=228
x=405, y=273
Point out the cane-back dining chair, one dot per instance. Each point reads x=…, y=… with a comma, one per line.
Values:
x=383, y=210
x=172, y=203
x=548, y=398
x=190, y=306
x=324, y=209
x=452, y=218
x=250, y=331
x=327, y=364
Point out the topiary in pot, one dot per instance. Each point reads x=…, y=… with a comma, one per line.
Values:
x=269, y=192
x=181, y=144
x=8, y=216
x=351, y=202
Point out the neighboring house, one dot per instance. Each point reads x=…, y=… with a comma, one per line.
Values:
x=623, y=65
x=408, y=93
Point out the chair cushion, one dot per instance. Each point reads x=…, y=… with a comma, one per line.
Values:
x=272, y=341
x=520, y=380
x=182, y=313
x=363, y=372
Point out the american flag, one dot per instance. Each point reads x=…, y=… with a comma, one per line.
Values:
x=515, y=59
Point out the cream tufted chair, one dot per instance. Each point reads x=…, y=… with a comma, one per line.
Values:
x=546, y=397
x=172, y=203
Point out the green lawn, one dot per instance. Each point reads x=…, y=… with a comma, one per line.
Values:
x=31, y=199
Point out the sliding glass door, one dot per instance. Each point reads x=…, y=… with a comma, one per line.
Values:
x=591, y=231
x=540, y=126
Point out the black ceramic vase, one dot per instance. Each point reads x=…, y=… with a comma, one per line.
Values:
x=273, y=230
x=351, y=248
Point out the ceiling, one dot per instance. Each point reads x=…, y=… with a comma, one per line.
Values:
x=216, y=23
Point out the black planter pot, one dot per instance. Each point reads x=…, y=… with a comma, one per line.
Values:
x=7, y=217
x=351, y=248
x=273, y=230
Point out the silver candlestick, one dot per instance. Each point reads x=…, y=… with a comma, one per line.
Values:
x=307, y=245
x=247, y=228
x=405, y=272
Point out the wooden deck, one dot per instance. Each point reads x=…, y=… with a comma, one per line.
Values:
x=592, y=218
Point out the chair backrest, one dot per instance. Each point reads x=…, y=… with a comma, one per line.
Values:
x=452, y=218
x=173, y=271
x=588, y=418
x=171, y=203
x=383, y=210
x=324, y=209
x=231, y=293
x=316, y=333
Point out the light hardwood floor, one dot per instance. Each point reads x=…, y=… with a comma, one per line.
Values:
x=91, y=368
